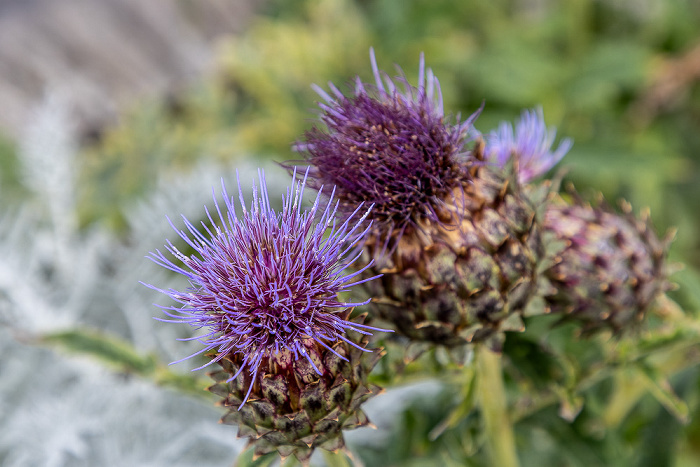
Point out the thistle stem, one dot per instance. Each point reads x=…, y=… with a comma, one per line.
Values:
x=494, y=409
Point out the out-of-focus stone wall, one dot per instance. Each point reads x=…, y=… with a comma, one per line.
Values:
x=105, y=54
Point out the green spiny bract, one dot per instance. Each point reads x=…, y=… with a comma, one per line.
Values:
x=612, y=266
x=292, y=408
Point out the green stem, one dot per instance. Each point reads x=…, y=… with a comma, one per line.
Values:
x=494, y=409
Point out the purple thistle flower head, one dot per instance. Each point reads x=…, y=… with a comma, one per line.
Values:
x=531, y=143
x=388, y=145
x=265, y=282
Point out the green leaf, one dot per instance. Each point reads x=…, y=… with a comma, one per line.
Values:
x=628, y=390
x=660, y=388
x=121, y=356
x=109, y=350
x=465, y=407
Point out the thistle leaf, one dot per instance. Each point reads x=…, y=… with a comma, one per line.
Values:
x=659, y=387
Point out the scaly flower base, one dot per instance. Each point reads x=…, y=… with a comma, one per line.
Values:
x=294, y=410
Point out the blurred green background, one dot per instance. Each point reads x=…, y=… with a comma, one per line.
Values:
x=619, y=77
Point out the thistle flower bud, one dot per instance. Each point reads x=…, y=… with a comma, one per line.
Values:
x=609, y=267
x=457, y=241
x=264, y=286
x=612, y=268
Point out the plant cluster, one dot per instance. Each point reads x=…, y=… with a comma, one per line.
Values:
x=461, y=244
x=609, y=376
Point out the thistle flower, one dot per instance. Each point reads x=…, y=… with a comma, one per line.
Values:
x=388, y=145
x=457, y=241
x=531, y=143
x=264, y=286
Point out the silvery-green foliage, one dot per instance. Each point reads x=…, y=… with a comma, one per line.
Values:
x=46, y=265
x=59, y=411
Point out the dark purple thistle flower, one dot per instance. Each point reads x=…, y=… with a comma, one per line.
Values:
x=265, y=282
x=388, y=145
x=531, y=143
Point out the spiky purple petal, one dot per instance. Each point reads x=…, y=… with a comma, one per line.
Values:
x=531, y=142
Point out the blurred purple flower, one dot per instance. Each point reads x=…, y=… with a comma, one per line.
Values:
x=263, y=282
x=531, y=142
x=387, y=145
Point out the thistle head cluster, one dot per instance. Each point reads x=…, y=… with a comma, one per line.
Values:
x=389, y=145
x=264, y=282
x=475, y=247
